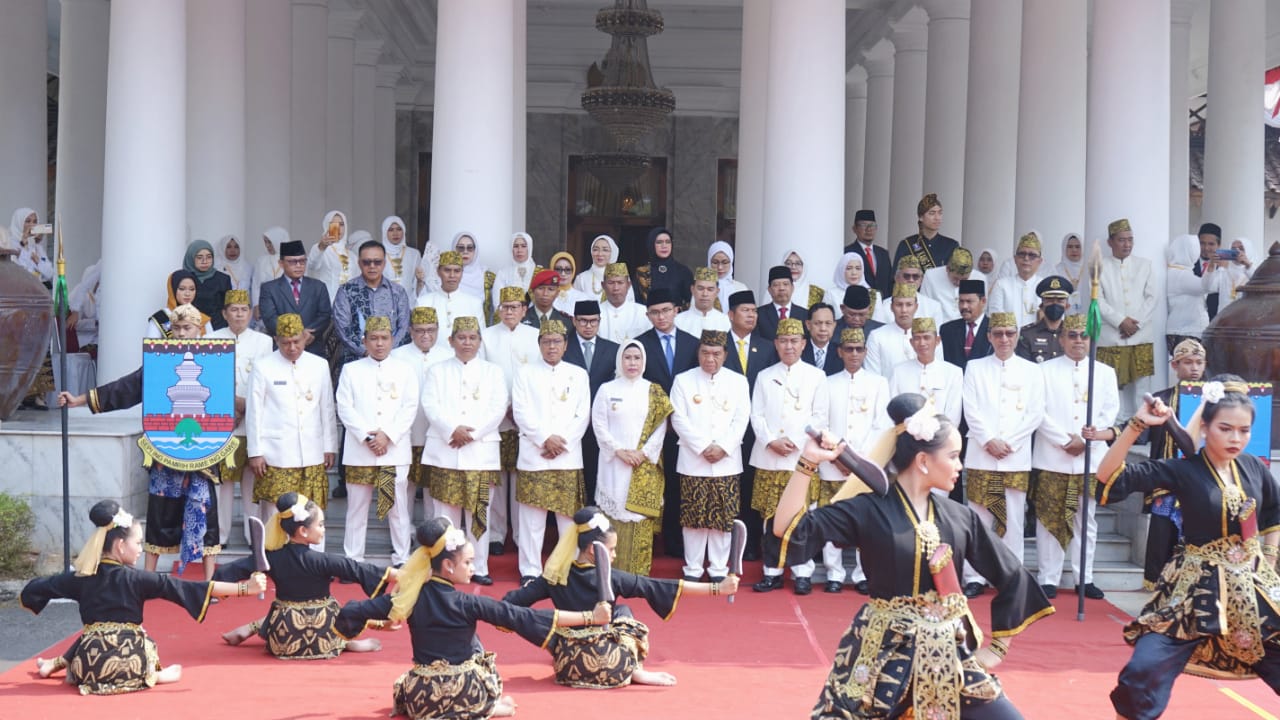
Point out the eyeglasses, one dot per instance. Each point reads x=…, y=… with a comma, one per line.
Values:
x=661, y=311
x=371, y=262
x=1076, y=335
x=1004, y=334
x=867, y=225
x=1027, y=256
x=464, y=248
x=856, y=348
x=794, y=263
x=912, y=277
x=563, y=269
x=718, y=263
x=295, y=261
x=586, y=321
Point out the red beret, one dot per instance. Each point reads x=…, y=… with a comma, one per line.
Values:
x=545, y=277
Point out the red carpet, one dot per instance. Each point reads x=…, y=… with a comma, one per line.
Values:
x=765, y=656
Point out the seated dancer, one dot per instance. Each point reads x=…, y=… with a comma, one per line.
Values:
x=114, y=654
x=1213, y=613
x=299, y=625
x=613, y=655
x=917, y=614
x=452, y=675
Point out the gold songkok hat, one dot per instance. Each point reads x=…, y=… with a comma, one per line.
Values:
x=288, y=325
x=902, y=290
x=790, y=326
x=512, y=293
x=714, y=338
x=423, y=316
x=186, y=313
x=961, y=262
x=1189, y=347
x=465, y=323
x=852, y=335
x=1075, y=322
x=375, y=323
x=552, y=327
x=1118, y=226
x=236, y=297
x=924, y=325
x=705, y=274
x=926, y=203
x=908, y=261
x=617, y=269
x=450, y=257
x=1004, y=319
x=1030, y=240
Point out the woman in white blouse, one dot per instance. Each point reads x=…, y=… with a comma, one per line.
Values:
x=1187, y=314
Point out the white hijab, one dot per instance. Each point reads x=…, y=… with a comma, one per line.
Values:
x=510, y=276
x=83, y=298
x=394, y=250
x=472, y=272
x=800, y=291
x=1072, y=269
x=15, y=227
x=840, y=283
x=339, y=247
x=591, y=280
x=239, y=270
x=1183, y=252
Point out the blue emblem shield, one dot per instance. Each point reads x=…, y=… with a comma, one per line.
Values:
x=188, y=402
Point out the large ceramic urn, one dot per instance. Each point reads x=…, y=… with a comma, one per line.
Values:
x=1244, y=338
x=26, y=323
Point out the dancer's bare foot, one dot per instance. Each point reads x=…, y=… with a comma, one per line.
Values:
x=505, y=707
x=364, y=645
x=49, y=667
x=239, y=635
x=648, y=677
x=170, y=674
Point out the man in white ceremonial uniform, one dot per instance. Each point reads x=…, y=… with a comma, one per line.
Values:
x=940, y=382
x=510, y=345
x=377, y=401
x=465, y=399
x=290, y=423
x=551, y=403
x=856, y=412
x=1058, y=457
x=251, y=346
x=703, y=314
x=621, y=318
x=711, y=408
x=909, y=273
x=890, y=344
x=450, y=301
x=943, y=283
x=1003, y=405
x=1127, y=299
x=421, y=354
x=789, y=395
x=1017, y=293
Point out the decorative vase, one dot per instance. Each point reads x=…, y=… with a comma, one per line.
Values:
x=26, y=323
x=1244, y=338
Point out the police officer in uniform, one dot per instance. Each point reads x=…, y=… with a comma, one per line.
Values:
x=1039, y=341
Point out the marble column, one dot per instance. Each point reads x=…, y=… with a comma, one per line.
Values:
x=216, y=119
x=24, y=130
x=339, y=131
x=875, y=164
x=144, y=201
x=855, y=144
x=944, y=122
x=804, y=141
x=753, y=101
x=991, y=127
x=308, y=88
x=519, y=111
x=364, y=160
x=1128, y=165
x=1179, y=116
x=82, y=110
x=906, y=174
x=1052, y=98
x=384, y=150
x=1234, y=137
x=472, y=134
x=267, y=124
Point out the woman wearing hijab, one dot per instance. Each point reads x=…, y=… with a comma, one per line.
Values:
x=987, y=262
x=182, y=291
x=629, y=418
x=477, y=280
x=231, y=261
x=720, y=259
x=849, y=271
x=565, y=268
x=32, y=255
x=211, y=285
x=1188, y=315
x=330, y=261
x=804, y=293
x=267, y=268
x=590, y=282
x=521, y=270
x=402, y=260
x=663, y=271
x=83, y=303
x=1071, y=267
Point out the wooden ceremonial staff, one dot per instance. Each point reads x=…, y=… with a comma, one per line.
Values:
x=60, y=304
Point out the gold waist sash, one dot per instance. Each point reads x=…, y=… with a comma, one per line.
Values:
x=1235, y=562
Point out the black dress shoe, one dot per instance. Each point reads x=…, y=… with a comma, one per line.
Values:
x=802, y=586
x=1092, y=592
x=974, y=589
x=340, y=492
x=526, y=580
x=769, y=583
x=832, y=587
x=497, y=548
x=482, y=580
x=1050, y=591
x=862, y=587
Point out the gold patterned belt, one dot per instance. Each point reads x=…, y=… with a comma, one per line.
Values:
x=317, y=604
x=103, y=628
x=1236, y=562
x=937, y=625
x=480, y=662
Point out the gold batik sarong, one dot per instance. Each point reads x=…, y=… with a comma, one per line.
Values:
x=821, y=491
x=231, y=469
x=467, y=489
x=419, y=474
x=383, y=480
x=467, y=690
x=112, y=658
x=561, y=491
x=635, y=545
x=1129, y=361
x=710, y=503
x=645, y=492
x=311, y=481
x=986, y=488
x=302, y=629
x=599, y=657
x=1056, y=498
x=767, y=491
x=509, y=449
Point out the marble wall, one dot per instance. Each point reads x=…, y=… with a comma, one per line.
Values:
x=693, y=145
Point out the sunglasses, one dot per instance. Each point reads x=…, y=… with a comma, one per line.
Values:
x=371, y=262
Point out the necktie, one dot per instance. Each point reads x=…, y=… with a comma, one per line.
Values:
x=871, y=262
x=588, y=352
x=742, y=355
x=820, y=356
x=968, y=341
x=671, y=354
x=297, y=292
x=782, y=313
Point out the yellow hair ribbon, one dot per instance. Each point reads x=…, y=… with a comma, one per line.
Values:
x=410, y=577
x=880, y=454
x=87, y=561
x=276, y=537
x=556, y=571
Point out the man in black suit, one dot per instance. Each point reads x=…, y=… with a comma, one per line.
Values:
x=966, y=339
x=748, y=348
x=855, y=311
x=543, y=290
x=876, y=266
x=669, y=351
x=780, y=289
x=294, y=292
x=820, y=351
x=599, y=358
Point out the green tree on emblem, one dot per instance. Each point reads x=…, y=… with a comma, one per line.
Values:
x=188, y=428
